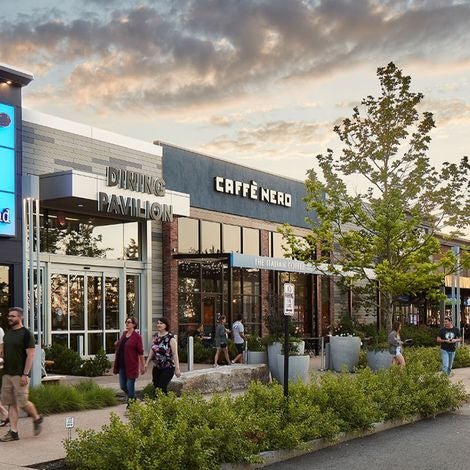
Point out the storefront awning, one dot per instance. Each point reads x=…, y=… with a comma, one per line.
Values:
x=77, y=190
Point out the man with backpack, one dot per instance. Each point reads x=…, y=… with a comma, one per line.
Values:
x=18, y=353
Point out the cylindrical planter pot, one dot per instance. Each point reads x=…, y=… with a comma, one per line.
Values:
x=344, y=352
x=257, y=357
x=379, y=360
x=273, y=350
x=298, y=368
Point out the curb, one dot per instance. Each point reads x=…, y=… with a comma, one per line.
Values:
x=275, y=456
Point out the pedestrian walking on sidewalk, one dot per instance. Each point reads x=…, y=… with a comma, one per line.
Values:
x=221, y=341
x=4, y=421
x=164, y=354
x=238, y=335
x=395, y=345
x=17, y=351
x=129, y=359
x=448, y=338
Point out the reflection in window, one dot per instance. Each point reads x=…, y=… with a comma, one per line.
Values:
x=111, y=338
x=59, y=302
x=95, y=342
x=82, y=235
x=278, y=251
x=250, y=241
x=5, y=295
x=231, y=236
x=95, y=312
x=111, y=306
x=77, y=307
x=210, y=237
x=301, y=319
x=188, y=235
x=132, y=296
x=246, y=299
x=212, y=276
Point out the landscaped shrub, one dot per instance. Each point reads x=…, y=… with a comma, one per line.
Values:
x=95, y=366
x=431, y=357
x=58, y=398
x=421, y=335
x=66, y=361
x=202, y=434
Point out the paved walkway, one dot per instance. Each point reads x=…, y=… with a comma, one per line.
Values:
x=30, y=450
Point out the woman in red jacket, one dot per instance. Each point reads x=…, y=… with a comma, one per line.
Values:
x=129, y=358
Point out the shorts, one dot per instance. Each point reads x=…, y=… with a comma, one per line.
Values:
x=13, y=392
x=240, y=347
x=222, y=345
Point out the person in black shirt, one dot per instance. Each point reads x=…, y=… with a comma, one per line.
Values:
x=448, y=338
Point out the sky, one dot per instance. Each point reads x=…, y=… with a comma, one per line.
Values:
x=257, y=82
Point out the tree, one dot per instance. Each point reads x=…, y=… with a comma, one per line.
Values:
x=384, y=234
x=82, y=242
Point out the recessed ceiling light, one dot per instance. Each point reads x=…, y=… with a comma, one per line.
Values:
x=9, y=82
x=79, y=205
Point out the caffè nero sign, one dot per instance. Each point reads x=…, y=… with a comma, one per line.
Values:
x=252, y=191
x=139, y=207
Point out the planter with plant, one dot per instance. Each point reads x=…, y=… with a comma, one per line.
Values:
x=298, y=363
x=257, y=353
x=344, y=347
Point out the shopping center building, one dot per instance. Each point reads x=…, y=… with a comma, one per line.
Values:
x=127, y=227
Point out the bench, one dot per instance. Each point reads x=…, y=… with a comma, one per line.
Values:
x=51, y=379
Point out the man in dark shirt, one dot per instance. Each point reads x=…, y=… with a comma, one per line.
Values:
x=448, y=338
x=18, y=353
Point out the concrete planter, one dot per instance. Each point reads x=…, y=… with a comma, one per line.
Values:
x=273, y=350
x=380, y=359
x=257, y=357
x=344, y=352
x=298, y=368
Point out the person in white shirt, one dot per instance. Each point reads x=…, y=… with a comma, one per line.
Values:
x=3, y=410
x=238, y=335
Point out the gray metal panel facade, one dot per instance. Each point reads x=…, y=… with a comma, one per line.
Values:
x=193, y=173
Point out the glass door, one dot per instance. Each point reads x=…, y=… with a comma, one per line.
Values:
x=86, y=310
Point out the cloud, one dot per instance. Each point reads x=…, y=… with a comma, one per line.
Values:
x=189, y=53
x=448, y=112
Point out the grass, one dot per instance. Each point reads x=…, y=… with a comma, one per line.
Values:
x=58, y=398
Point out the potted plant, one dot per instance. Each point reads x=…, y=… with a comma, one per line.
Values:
x=298, y=363
x=256, y=350
x=344, y=346
x=378, y=355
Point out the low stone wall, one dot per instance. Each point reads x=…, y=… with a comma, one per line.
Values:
x=220, y=379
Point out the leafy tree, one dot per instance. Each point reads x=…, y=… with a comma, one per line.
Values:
x=385, y=233
x=83, y=242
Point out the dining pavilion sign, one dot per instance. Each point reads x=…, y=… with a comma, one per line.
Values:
x=138, y=207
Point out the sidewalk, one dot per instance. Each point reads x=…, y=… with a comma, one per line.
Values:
x=30, y=450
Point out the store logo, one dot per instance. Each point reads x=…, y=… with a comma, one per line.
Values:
x=5, y=216
x=5, y=120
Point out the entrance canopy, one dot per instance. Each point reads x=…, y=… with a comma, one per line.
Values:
x=74, y=190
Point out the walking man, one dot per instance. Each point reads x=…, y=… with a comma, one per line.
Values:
x=238, y=334
x=448, y=338
x=17, y=352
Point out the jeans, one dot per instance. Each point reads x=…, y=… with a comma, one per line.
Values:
x=127, y=385
x=447, y=359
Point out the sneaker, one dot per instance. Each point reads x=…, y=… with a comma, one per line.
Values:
x=232, y=362
x=37, y=425
x=10, y=436
x=4, y=422
x=216, y=365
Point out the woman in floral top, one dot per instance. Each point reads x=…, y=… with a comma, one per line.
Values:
x=164, y=353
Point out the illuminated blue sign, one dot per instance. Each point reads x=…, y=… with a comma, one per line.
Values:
x=7, y=171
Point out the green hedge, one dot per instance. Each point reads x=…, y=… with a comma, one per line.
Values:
x=190, y=432
x=431, y=357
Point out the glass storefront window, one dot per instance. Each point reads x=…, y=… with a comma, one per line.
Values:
x=5, y=295
x=212, y=276
x=189, y=308
x=251, y=282
x=95, y=311
x=95, y=342
x=231, y=236
x=83, y=235
x=188, y=235
x=250, y=241
x=132, y=296
x=189, y=277
x=278, y=251
x=77, y=295
x=210, y=237
x=111, y=306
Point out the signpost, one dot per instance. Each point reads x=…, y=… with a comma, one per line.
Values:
x=69, y=424
x=289, y=304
